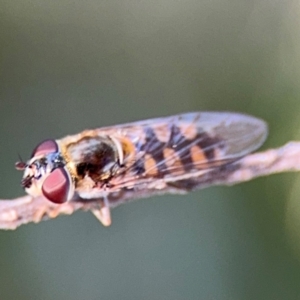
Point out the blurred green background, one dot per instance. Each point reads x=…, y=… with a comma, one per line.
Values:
x=72, y=65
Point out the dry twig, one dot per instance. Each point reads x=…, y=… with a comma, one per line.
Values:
x=16, y=212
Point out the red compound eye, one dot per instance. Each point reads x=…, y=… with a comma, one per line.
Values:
x=45, y=147
x=57, y=185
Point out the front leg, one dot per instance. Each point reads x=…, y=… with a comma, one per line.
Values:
x=103, y=213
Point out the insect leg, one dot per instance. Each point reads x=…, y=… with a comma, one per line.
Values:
x=103, y=213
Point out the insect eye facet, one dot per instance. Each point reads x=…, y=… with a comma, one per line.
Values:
x=44, y=148
x=57, y=186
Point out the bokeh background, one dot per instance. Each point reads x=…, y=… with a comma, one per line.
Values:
x=72, y=65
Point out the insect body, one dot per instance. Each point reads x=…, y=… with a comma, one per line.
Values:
x=139, y=157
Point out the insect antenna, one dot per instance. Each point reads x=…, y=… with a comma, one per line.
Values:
x=20, y=165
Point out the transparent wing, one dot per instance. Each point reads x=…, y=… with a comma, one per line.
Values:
x=187, y=143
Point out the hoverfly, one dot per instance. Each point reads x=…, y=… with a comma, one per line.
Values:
x=139, y=157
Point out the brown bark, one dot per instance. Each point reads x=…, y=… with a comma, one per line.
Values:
x=16, y=212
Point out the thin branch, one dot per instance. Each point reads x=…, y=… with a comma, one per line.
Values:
x=16, y=212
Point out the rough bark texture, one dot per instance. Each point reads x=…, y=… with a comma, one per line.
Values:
x=16, y=212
